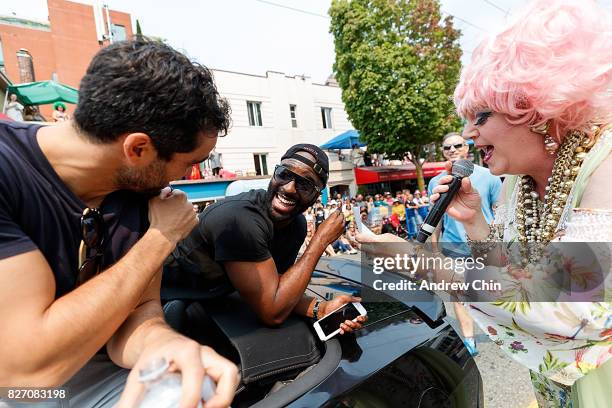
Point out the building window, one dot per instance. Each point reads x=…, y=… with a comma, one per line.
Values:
x=261, y=164
x=254, y=111
x=119, y=33
x=293, y=113
x=326, y=116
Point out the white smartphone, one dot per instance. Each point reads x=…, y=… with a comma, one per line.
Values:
x=328, y=326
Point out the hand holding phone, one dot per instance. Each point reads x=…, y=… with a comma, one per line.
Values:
x=329, y=325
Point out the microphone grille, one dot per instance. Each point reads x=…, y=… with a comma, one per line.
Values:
x=462, y=168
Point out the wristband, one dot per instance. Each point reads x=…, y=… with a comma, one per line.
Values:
x=315, y=310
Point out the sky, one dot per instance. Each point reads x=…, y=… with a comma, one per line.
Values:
x=255, y=36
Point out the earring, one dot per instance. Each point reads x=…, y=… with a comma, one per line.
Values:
x=550, y=145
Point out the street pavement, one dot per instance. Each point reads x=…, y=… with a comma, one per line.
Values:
x=506, y=383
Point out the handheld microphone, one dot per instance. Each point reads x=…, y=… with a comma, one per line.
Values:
x=460, y=169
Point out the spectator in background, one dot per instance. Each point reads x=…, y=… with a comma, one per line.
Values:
x=342, y=245
x=224, y=173
x=450, y=236
x=423, y=208
x=388, y=199
x=194, y=174
x=367, y=159
x=411, y=216
x=348, y=214
x=334, y=207
x=329, y=251
x=372, y=225
x=319, y=215
x=357, y=156
x=359, y=201
x=369, y=203
x=14, y=109
x=379, y=201
x=351, y=236
x=399, y=196
x=425, y=197
x=214, y=159
x=328, y=208
x=59, y=112
x=308, y=214
x=31, y=114
x=398, y=209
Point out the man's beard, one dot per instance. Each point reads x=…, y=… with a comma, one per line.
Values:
x=148, y=181
x=270, y=193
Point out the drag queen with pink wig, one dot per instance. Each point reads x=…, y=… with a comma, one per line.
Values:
x=537, y=101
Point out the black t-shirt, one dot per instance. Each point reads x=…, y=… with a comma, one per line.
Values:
x=38, y=211
x=237, y=228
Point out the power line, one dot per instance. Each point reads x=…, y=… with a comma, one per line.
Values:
x=327, y=17
x=466, y=22
x=293, y=9
x=489, y=2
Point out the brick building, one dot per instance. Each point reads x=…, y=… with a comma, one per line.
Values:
x=60, y=48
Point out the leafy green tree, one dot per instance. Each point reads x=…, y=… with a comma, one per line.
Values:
x=397, y=63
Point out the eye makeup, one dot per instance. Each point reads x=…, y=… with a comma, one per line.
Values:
x=481, y=117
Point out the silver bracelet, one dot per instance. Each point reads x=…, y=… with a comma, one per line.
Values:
x=485, y=245
x=315, y=309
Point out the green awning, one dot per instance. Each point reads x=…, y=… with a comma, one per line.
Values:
x=45, y=92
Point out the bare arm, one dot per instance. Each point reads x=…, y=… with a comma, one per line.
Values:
x=130, y=339
x=45, y=341
x=274, y=296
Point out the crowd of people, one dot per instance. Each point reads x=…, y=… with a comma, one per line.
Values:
x=401, y=215
x=19, y=113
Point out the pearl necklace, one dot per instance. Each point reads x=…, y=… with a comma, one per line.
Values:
x=537, y=221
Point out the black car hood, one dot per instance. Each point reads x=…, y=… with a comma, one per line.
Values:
x=337, y=274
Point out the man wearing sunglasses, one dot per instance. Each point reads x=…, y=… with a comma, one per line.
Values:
x=85, y=227
x=450, y=235
x=250, y=242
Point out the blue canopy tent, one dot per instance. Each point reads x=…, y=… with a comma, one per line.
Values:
x=347, y=139
x=344, y=140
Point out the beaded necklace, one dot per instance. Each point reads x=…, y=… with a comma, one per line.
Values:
x=536, y=221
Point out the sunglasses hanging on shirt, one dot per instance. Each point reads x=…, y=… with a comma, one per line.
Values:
x=93, y=232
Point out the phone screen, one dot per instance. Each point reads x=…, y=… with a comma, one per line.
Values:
x=331, y=322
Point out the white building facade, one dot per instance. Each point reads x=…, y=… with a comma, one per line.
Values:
x=273, y=112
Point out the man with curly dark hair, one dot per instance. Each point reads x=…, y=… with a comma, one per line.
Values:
x=86, y=223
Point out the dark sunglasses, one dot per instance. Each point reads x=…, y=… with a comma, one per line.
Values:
x=456, y=146
x=304, y=186
x=93, y=231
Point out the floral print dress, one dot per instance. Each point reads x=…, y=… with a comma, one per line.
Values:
x=559, y=342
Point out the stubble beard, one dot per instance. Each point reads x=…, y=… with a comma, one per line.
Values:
x=148, y=181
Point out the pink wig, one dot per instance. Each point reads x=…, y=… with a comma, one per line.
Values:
x=554, y=62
